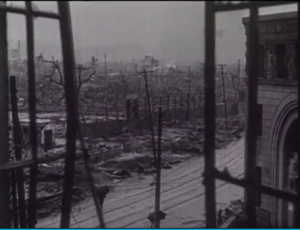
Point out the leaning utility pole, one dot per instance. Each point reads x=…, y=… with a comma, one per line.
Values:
x=17, y=137
x=224, y=93
x=85, y=151
x=158, y=171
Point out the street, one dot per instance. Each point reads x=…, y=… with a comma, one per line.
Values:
x=182, y=196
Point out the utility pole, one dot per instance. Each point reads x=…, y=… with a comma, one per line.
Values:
x=145, y=72
x=238, y=75
x=139, y=79
x=224, y=94
x=19, y=50
x=106, y=80
x=158, y=171
x=189, y=80
x=189, y=94
x=239, y=68
x=105, y=65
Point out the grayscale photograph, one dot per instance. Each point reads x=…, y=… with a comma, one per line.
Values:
x=149, y=114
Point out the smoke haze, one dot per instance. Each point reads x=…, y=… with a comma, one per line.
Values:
x=130, y=30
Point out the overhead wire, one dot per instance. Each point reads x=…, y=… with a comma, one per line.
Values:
x=202, y=194
x=181, y=166
x=165, y=191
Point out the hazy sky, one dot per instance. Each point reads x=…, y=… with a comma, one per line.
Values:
x=130, y=30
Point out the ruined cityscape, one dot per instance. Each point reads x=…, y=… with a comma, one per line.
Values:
x=115, y=144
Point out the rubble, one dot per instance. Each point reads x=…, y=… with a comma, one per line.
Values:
x=122, y=156
x=233, y=209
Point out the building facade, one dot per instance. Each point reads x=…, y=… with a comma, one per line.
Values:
x=277, y=113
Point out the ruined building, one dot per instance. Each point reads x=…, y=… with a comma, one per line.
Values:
x=277, y=128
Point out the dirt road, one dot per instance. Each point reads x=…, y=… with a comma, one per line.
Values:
x=182, y=196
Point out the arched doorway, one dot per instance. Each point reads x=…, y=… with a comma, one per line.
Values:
x=288, y=153
x=279, y=139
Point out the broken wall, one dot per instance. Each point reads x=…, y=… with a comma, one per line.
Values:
x=102, y=128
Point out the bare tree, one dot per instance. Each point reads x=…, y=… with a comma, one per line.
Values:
x=56, y=78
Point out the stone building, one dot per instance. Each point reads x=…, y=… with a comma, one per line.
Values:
x=277, y=128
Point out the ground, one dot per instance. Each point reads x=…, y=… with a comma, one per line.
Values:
x=182, y=196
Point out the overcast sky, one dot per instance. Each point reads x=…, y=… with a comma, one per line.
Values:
x=129, y=30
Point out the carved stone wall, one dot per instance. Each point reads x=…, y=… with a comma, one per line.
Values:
x=275, y=96
x=278, y=31
x=271, y=33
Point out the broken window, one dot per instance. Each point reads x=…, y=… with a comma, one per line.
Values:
x=269, y=61
x=280, y=52
x=290, y=61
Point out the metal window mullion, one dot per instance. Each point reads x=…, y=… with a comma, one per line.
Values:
x=260, y=188
x=27, y=163
x=32, y=113
x=209, y=116
x=297, y=204
x=250, y=136
x=4, y=156
x=71, y=108
x=19, y=10
x=223, y=7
